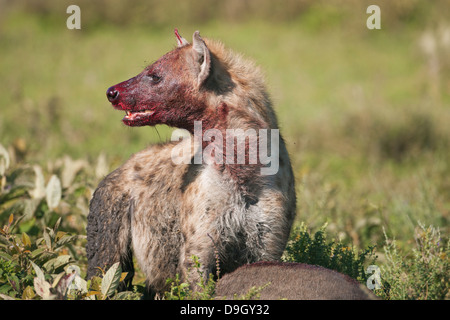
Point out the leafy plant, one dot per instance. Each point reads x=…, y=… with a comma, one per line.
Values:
x=105, y=287
x=204, y=288
x=304, y=248
x=178, y=290
x=19, y=256
x=40, y=270
x=43, y=213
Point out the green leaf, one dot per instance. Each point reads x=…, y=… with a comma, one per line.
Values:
x=28, y=293
x=53, y=192
x=39, y=186
x=48, y=240
x=26, y=240
x=102, y=168
x=111, y=280
x=30, y=206
x=57, y=279
x=123, y=276
x=37, y=252
x=42, y=288
x=4, y=160
x=95, y=283
x=78, y=282
x=5, y=256
x=65, y=239
x=28, y=226
x=50, y=231
x=39, y=272
x=59, y=235
x=70, y=170
x=57, y=224
x=56, y=263
x=6, y=297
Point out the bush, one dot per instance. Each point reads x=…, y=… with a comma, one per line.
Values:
x=42, y=240
x=42, y=270
x=423, y=276
x=42, y=262
x=20, y=255
x=304, y=248
x=183, y=290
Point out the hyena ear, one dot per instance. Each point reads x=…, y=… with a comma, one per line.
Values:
x=180, y=40
x=201, y=51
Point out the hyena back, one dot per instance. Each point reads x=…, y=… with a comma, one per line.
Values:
x=163, y=212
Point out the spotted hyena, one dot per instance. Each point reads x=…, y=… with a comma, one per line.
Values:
x=162, y=206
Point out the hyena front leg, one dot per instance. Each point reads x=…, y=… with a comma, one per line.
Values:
x=201, y=249
x=109, y=232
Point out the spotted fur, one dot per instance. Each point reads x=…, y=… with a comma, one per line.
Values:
x=162, y=212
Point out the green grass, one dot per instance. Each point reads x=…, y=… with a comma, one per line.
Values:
x=364, y=116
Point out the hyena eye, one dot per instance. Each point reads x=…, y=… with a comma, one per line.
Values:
x=154, y=78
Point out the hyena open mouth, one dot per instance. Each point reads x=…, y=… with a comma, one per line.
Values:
x=132, y=117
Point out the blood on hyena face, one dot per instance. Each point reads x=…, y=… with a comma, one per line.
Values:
x=166, y=92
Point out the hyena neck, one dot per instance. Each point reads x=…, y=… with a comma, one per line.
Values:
x=230, y=144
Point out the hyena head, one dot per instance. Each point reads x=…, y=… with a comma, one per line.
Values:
x=170, y=91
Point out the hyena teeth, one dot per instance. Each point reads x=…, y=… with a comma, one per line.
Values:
x=137, y=114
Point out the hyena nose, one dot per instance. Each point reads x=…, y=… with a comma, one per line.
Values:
x=112, y=94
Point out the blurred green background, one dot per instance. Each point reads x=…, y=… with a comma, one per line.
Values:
x=365, y=113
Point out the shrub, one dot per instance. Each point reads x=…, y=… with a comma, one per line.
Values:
x=183, y=290
x=19, y=255
x=42, y=240
x=304, y=248
x=425, y=275
x=41, y=269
